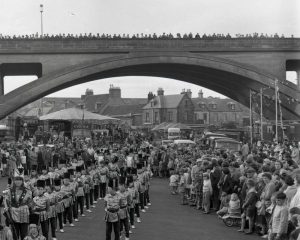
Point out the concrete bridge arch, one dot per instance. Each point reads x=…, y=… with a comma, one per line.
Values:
x=225, y=76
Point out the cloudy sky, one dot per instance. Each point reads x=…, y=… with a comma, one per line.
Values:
x=144, y=16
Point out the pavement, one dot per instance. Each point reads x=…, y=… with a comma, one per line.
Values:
x=165, y=219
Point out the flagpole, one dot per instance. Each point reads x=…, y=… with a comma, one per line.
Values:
x=251, y=137
x=276, y=110
x=261, y=115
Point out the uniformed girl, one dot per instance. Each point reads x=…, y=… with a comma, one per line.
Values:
x=125, y=199
x=52, y=209
x=80, y=191
x=68, y=192
x=18, y=200
x=103, y=171
x=41, y=205
x=59, y=207
x=112, y=207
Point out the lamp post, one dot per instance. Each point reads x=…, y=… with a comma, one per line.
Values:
x=42, y=10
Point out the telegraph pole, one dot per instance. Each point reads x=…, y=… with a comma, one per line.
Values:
x=42, y=10
x=276, y=110
x=261, y=115
x=251, y=137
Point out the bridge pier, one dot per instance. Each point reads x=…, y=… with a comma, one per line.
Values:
x=298, y=78
x=1, y=84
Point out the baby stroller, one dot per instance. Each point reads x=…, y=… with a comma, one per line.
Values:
x=232, y=219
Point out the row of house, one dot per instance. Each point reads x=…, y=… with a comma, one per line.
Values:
x=146, y=112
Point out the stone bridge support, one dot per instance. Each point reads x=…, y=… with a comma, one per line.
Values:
x=1, y=84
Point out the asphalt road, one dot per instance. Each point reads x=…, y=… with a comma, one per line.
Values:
x=165, y=219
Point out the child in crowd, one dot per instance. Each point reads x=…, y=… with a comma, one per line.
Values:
x=33, y=233
x=207, y=192
x=160, y=169
x=182, y=188
x=234, y=206
x=174, y=180
x=224, y=204
x=279, y=220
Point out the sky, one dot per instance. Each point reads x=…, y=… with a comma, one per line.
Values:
x=143, y=16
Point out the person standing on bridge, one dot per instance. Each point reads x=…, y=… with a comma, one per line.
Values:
x=112, y=208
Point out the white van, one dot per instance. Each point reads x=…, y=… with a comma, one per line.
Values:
x=173, y=133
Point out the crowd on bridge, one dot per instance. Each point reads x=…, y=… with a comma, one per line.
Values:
x=51, y=185
x=190, y=35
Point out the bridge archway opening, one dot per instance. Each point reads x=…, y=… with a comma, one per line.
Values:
x=230, y=79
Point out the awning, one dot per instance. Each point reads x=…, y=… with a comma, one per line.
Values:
x=165, y=125
x=79, y=115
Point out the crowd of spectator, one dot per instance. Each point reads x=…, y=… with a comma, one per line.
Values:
x=144, y=36
x=260, y=186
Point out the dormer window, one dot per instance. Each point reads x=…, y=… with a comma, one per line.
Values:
x=213, y=105
x=201, y=105
x=98, y=105
x=231, y=106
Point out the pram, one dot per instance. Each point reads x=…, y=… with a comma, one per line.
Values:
x=232, y=219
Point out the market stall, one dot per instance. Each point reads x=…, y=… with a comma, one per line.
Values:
x=75, y=122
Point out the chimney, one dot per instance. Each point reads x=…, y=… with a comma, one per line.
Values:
x=88, y=92
x=150, y=96
x=200, y=94
x=160, y=92
x=189, y=93
x=114, y=92
x=183, y=91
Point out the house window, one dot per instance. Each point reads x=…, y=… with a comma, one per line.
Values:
x=186, y=103
x=147, y=117
x=81, y=105
x=170, y=116
x=205, y=117
x=214, y=106
x=186, y=114
x=156, y=117
x=232, y=106
x=98, y=105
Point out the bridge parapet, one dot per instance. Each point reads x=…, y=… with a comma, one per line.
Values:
x=77, y=45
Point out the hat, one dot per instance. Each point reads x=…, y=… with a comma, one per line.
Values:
x=267, y=161
x=134, y=171
x=139, y=166
x=26, y=173
x=205, y=175
x=226, y=170
x=44, y=167
x=33, y=167
x=62, y=161
x=57, y=182
x=71, y=171
x=67, y=175
x=122, y=180
x=78, y=169
x=198, y=160
x=48, y=182
x=40, y=183
x=18, y=177
x=129, y=179
x=250, y=170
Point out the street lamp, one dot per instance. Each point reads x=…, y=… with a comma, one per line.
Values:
x=42, y=10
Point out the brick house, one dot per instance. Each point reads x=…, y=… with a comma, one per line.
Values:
x=217, y=111
x=177, y=108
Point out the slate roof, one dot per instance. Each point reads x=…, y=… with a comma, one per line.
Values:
x=122, y=110
x=166, y=101
x=222, y=105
